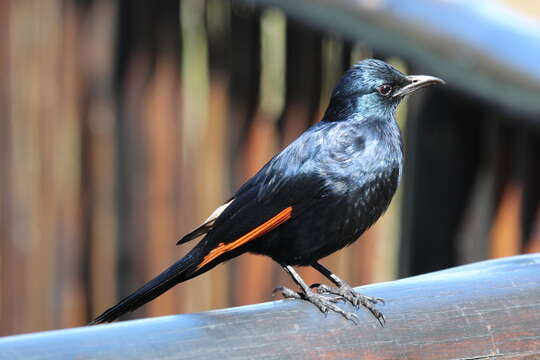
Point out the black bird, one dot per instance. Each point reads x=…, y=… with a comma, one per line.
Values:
x=315, y=197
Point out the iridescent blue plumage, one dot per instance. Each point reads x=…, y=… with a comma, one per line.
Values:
x=313, y=198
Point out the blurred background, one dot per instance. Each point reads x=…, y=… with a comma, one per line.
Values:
x=123, y=124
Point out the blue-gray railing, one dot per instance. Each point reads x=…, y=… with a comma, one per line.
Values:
x=479, y=47
x=485, y=310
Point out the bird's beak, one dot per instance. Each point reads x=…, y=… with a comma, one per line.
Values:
x=417, y=82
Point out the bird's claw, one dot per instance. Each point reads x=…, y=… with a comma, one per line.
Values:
x=322, y=302
x=286, y=293
x=348, y=294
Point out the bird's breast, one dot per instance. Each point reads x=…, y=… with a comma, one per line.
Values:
x=365, y=183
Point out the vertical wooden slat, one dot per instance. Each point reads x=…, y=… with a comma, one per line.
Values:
x=244, y=85
x=99, y=178
x=473, y=236
x=529, y=147
x=214, y=173
x=245, y=45
x=66, y=164
x=303, y=80
x=506, y=234
x=23, y=172
x=161, y=128
x=194, y=112
x=533, y=243
x=6, y=289
x=133, y=68
x=159, y=125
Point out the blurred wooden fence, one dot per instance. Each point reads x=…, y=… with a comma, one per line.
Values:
x=124, y=123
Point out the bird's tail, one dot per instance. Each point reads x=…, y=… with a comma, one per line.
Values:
x=182, y=270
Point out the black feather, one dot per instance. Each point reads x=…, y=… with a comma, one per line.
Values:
x=201, y=230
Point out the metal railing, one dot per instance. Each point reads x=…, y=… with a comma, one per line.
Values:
x=481, y=47
x=485, y=310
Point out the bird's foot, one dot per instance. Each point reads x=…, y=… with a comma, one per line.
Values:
x=347, y=293
x=322, y=302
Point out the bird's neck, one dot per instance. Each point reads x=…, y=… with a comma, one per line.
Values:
x=347, y=109
x=339, y=109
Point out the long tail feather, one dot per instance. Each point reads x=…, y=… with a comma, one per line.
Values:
x=180, y=271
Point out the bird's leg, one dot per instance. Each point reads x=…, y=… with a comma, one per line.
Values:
x=346, y=292
x=323, y=303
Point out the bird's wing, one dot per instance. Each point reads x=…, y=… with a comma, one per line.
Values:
x=206, y=226
x=255, y=182
x=263, y=203
x=255, y=212
x=258, y=231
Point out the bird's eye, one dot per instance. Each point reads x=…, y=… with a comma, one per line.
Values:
x=385, y=89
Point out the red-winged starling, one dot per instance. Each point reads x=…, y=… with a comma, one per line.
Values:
x=315, y=197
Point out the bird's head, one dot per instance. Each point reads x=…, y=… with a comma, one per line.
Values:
x=373, y=88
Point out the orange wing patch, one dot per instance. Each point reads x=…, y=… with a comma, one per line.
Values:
x=252, y=235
